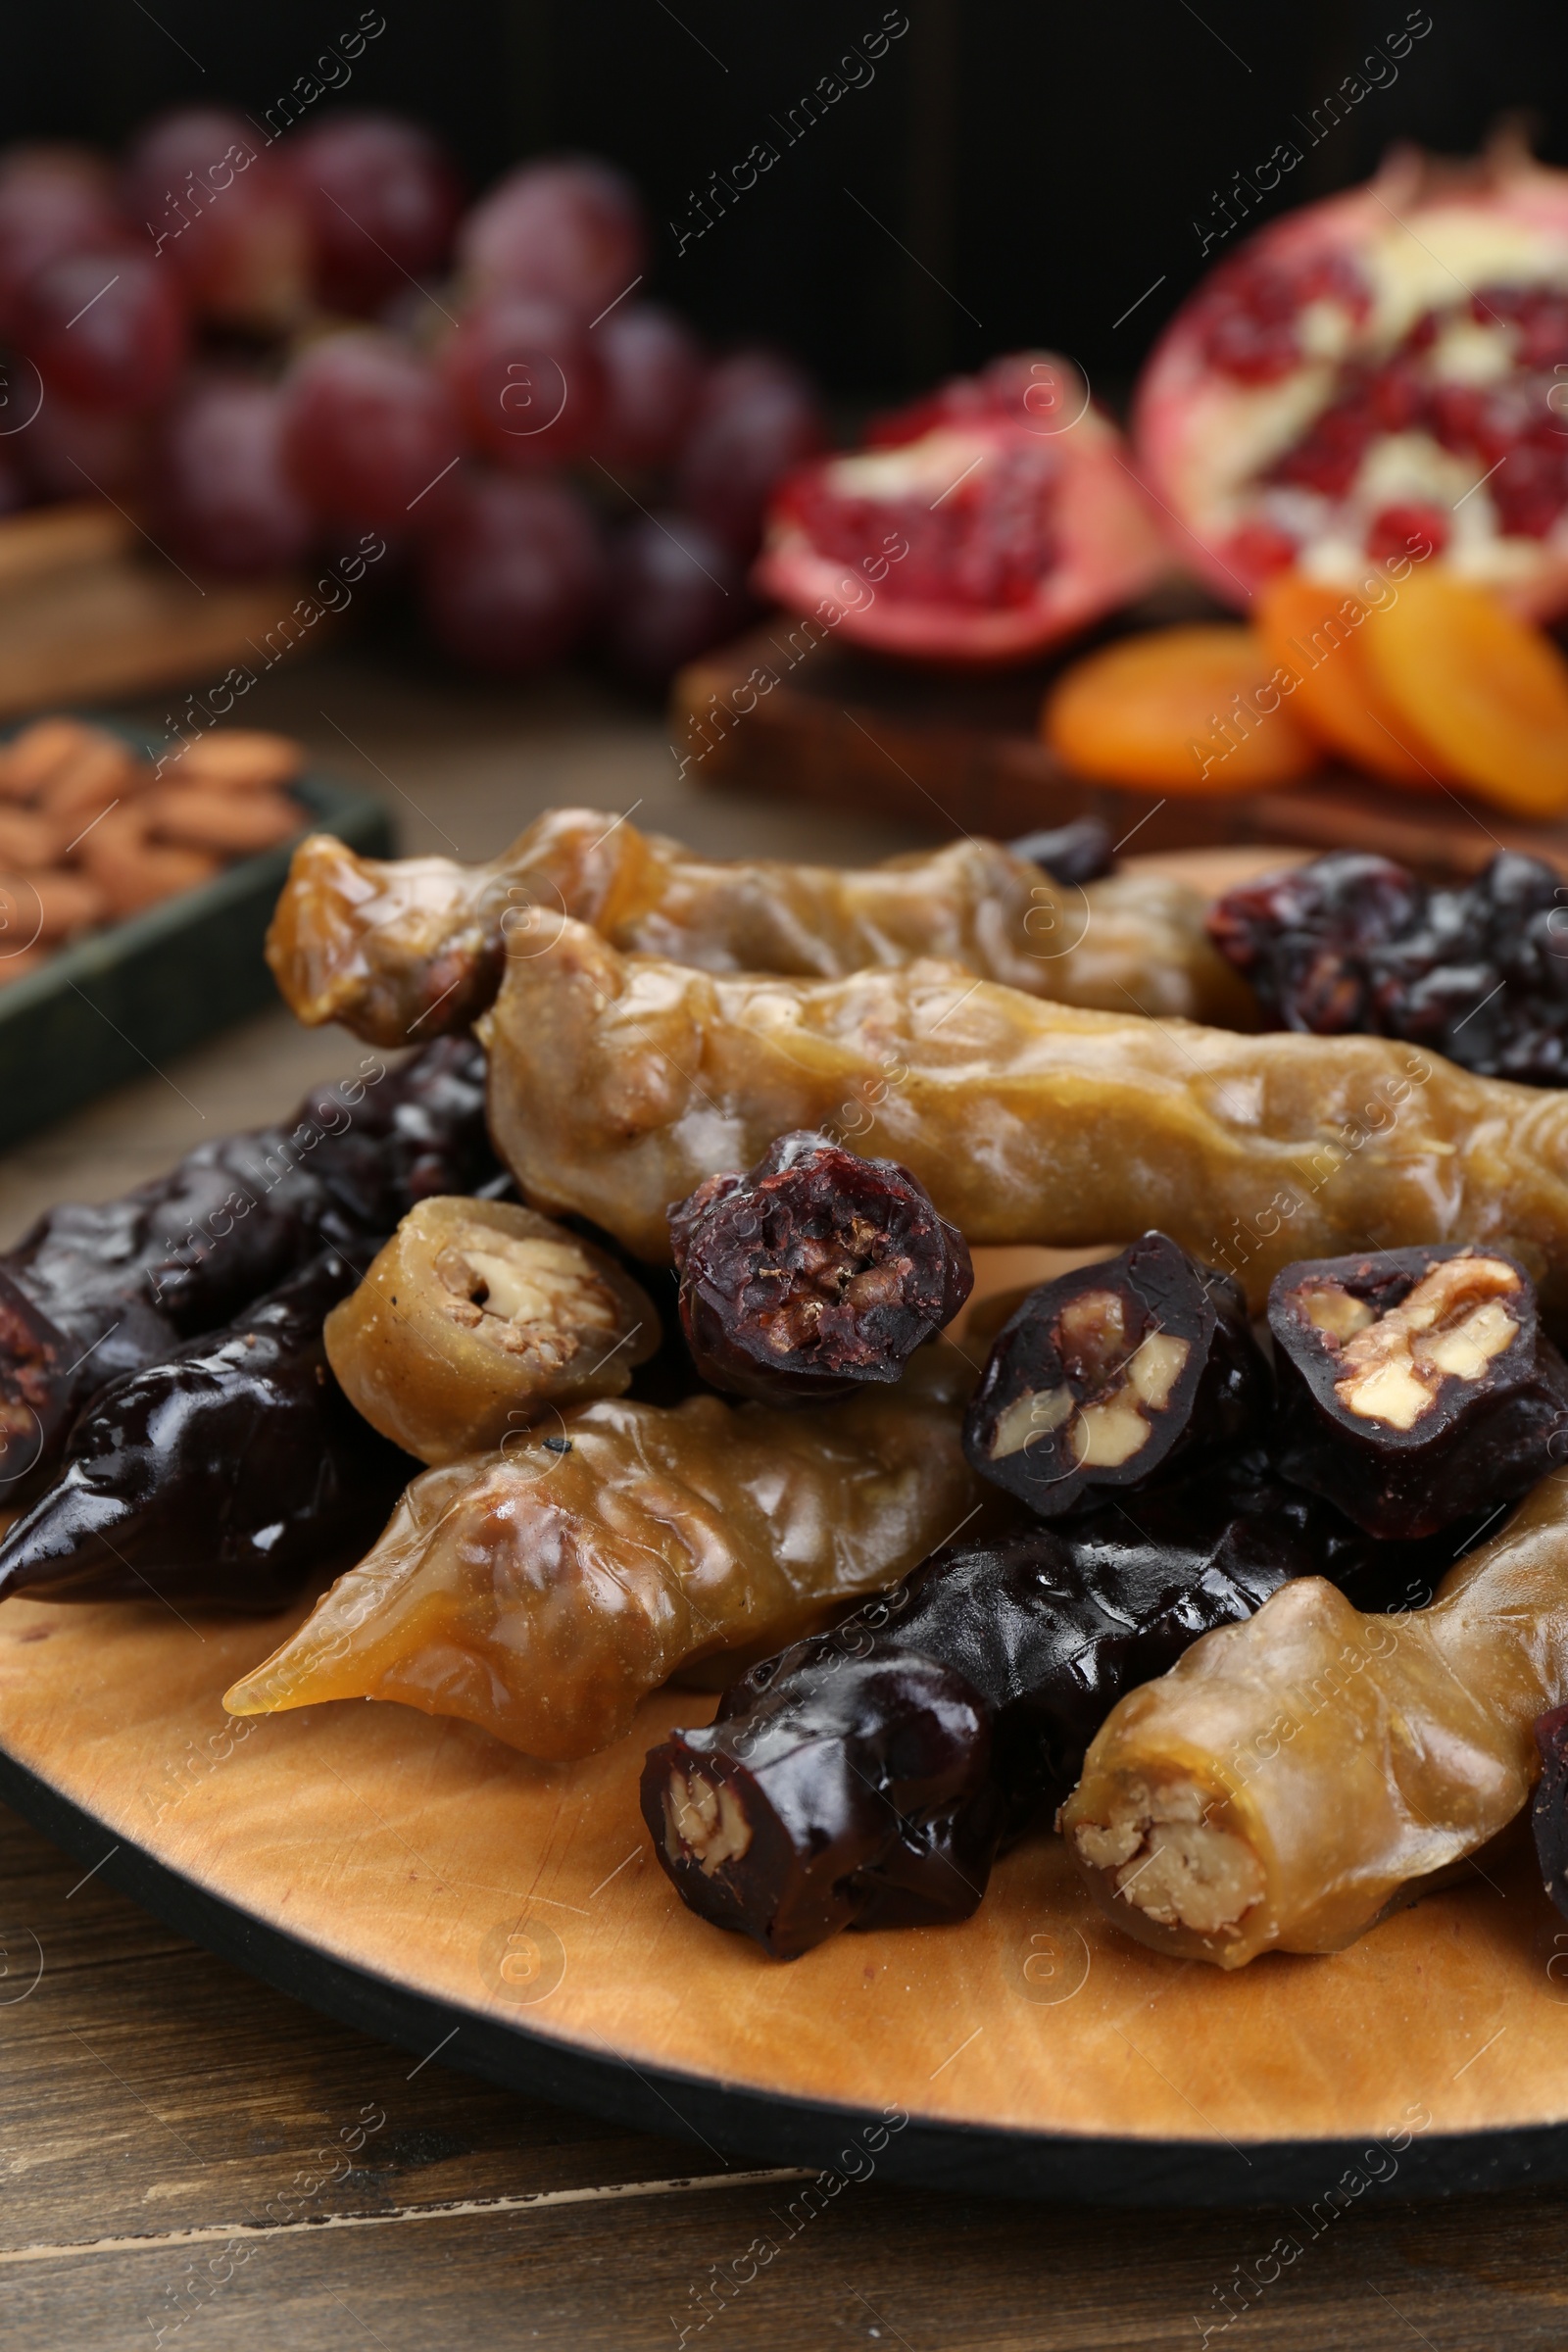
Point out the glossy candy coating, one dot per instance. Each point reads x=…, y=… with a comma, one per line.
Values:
x=1111, y=1375
x=95, y=1292
x=543, y=1590
x=1291, y=1777
x=222, y=1478
x=417, y=946
x=814, y=1272
x=475, y=1319
x=1415, y=1384
x=840, y=1783
x=617, y=1084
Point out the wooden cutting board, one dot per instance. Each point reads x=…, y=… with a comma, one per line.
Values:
x=420, y=1879
x=964, y=754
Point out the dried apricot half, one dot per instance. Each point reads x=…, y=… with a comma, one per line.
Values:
x=1318, y=631
x=1488, y=691
x=1195, y=710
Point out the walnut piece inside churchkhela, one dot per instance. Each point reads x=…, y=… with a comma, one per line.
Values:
x=474, y=1317
x=1112, y=1374
x=1415, y=1384
x=814, y=1272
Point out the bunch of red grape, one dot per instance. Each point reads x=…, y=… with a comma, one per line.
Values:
x=265, y=346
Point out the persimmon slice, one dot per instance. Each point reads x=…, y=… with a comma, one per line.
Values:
x=1191, y=709
x=1319, y=632
x=1488, y=692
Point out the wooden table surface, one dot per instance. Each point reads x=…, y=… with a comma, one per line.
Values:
x=187, y=2157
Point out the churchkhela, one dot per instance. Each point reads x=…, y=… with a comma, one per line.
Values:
x=92, y=1292
x=1111, y=1376
x=1415, y=1384
x=618, y=1084
x=415, y=948
x=542, y=1589
x=817, y=1271
x=1291, y=1777
x=224, y=1478
x=476, y=1318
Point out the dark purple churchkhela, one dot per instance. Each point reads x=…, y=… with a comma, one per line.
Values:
x=221, y=1478
x=1114, y=1376
x=1080, y=851
x=814, y=1272
x=92, y=1292
x=1415, y=1384
x=1478, y=971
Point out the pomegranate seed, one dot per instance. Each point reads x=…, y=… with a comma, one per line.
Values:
x=1329, y=453
x=1407, y=530
x=1530, y=491
x=1259, y=549
x=1399, y=397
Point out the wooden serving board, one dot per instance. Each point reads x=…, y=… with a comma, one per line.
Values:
x=420, y=1879
x=964, y=753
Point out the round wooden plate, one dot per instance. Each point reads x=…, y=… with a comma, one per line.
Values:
x=417, y=1879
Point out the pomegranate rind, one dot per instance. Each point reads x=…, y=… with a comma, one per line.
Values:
x=1147, y=712
x=1106, y=546
x=1419, y=235
x=1318, y=632
x=1484, y=688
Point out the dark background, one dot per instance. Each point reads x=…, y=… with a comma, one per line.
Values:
x=1043, y=163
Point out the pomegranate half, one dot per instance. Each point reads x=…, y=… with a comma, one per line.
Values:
x=1381, y=375
x=988, y=520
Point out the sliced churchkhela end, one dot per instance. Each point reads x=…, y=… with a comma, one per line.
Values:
x=406, y=950
x=224, y=1478
x=618, y=1084
x=1113, y=1375
x=1291, y=1777
x=813, y=1272
x=475, y=1319
x=543, y=1590
x=1415, y=1384
x=866, y=1777
x=91, y=1293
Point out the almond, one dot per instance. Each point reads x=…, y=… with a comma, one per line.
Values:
x=238, y=760
x=239, y=823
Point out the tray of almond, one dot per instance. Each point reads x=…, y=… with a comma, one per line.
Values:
x=919, y=1512
x=135, y=888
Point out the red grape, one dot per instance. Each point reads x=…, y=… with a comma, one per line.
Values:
x=382, y=200
x=674, y=591
x=527, y=381
x=572, y=229
x=106, y=330
x=53, y=201
x=226, y=215
x=653, y=369
x=368, y=430
x=225, y=499
x=512, y=572
x=758, y=416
